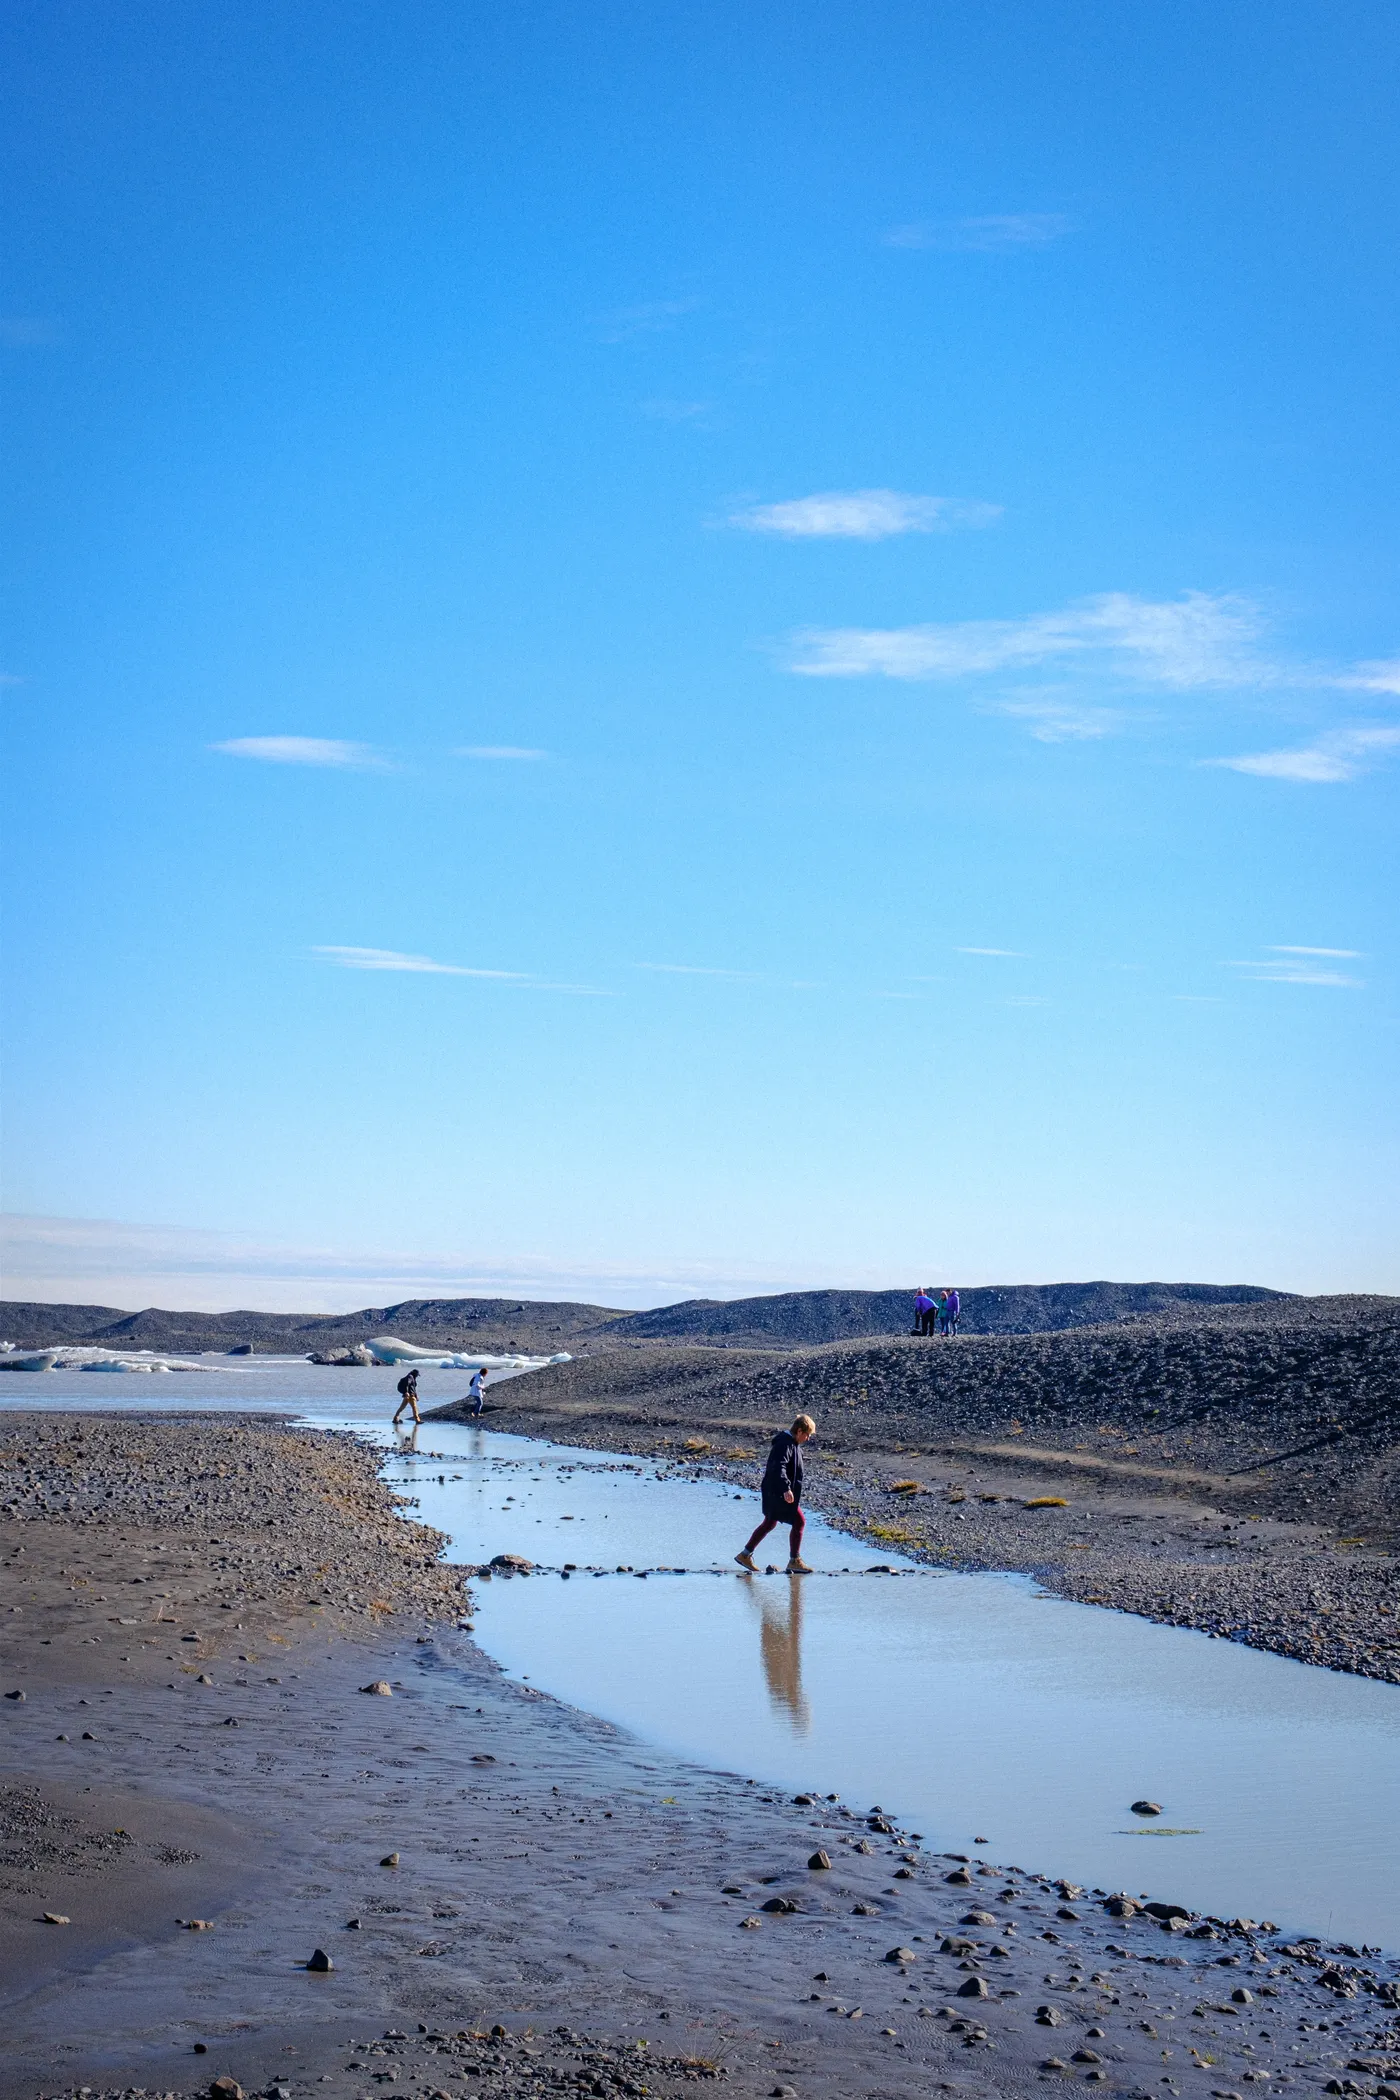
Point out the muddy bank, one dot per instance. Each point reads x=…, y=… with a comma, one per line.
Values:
x=470, y=1855
x=1232, y=1469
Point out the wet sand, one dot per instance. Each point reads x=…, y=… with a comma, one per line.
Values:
x=550, y=1874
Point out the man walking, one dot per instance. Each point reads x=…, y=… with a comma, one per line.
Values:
x=477, y=1389
x=782, y=1496
x=408, y=1397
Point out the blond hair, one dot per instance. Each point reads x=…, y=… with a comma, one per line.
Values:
x=804, y=1422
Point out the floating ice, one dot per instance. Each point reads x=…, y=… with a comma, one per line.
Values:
x=388, y=1349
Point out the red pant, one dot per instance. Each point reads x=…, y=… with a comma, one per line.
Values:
x=794, y=1517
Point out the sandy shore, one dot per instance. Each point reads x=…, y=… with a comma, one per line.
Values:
x=1237, y=1470
x=602, y=1905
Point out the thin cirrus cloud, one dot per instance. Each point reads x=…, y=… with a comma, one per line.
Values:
x=392, y=959
x=990, y=233
x=1199, y=639
x=1057, y=719
x=863, y=514
x=1291, y=964
x=1341, y=755
x=300, y=751
x=1011, y=954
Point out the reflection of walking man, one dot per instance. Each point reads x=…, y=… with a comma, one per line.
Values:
x=780, y=1646
x=782, y=1496
x=408, y=1397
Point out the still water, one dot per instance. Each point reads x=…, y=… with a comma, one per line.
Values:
x=975, y=1708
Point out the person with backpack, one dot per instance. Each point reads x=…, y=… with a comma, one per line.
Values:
x=954, y=1311
x=477, y=1389
x=782, y=1496
x=408, y=1397
x=923, y=1312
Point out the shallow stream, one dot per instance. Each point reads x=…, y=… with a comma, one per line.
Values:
x=984, y=1713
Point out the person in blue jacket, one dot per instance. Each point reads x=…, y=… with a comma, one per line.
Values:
x=782, y=1496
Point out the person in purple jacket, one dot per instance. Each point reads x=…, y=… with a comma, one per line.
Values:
x=954, y=1311
x=782, y=1496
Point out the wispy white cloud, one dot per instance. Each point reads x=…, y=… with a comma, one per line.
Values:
x=1012, y=954
x=1339, y=755
x=300, y=751
x=1336, y=954
x=1383, y=677
x=417, y=965
x=1058, y=719
x=1299, y=966
x=699, y=970
x=984, y=234
x=1199, y=639
x=497, y=751
x=652, y=317
x=863, y=514
x=347, y=958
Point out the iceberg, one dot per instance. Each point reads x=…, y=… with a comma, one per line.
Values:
x=388, y=1349
x=12, y=1359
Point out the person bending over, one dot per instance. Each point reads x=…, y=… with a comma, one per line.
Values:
x=477, y=1390
x=408, y=1397
x=782, y=1496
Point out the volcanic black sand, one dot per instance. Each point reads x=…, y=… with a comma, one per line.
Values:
x=514, y=1898
x=1235, y=1469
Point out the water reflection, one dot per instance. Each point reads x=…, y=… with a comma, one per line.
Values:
x=779, y=1605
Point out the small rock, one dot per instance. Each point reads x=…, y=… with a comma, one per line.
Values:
x=904, y=1873
x=1166, y=1911
x=195, y=1924
x=975, y=1987
x=515, y=1562
x=959, y=1878
x=1147, y=1808
x=352, y=1925
x=802, y=1801
x=1121, y=1907
x=1047, y=2016
x=380, y=1689
x=820, y=1862
x=204, y=1678
x=781, y=1906
x=1087, y=2056
x=1053, y=2063
x=865, y=1910
x=88, y=1736
x=225, y=2089
x=201, y=2048
x=977, y=1917
x=390, y=1859
x=901, y=1954
x=1065, y=1912
x=1242, y=1996
x=320, y=1963
x=14, y=1695
x=56, y=1917
x=784, y=2092
x=231, y=1721
x=749, y=1924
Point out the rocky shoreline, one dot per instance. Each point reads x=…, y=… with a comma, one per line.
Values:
x=511, y=1898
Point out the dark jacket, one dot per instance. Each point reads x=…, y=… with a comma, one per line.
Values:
x=782, y=1473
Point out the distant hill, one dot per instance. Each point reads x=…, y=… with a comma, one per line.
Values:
x=787, y=1320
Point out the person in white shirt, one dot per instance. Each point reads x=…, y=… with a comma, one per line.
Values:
x=477, y=1390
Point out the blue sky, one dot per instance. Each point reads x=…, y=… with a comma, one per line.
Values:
x=669, y=650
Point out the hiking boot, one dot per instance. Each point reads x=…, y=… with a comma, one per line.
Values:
x=797, y=1567
x=746, y=1560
